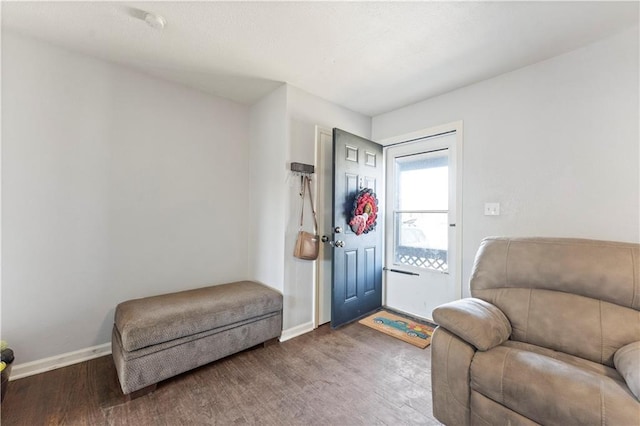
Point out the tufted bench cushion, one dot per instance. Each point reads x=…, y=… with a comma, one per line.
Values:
x=157, y=337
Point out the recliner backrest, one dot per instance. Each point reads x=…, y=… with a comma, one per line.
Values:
x=576, y=296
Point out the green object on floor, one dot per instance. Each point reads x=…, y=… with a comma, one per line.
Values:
x=6, y=358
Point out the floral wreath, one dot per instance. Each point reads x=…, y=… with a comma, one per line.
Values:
x=365, y=212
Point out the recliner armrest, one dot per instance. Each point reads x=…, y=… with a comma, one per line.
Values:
x=475, y=321
x=627, y=362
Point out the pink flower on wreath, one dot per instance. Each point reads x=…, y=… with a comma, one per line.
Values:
x=359, y=223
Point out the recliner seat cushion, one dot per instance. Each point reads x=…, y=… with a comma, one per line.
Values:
x=552, y=391
x=158, y=319
x=569, y=359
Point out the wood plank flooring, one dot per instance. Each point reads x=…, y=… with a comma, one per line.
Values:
x=351, y=376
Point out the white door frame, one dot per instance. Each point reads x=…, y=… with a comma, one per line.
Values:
x=321, y=188
x=456, y=126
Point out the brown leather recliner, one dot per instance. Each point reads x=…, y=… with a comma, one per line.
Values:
x=551, y=335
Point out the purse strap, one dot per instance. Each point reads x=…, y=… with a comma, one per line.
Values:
x=306, y=185
x=313, y=210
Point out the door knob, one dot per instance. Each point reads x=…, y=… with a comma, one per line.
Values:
x=337, y=243
x=337, y=230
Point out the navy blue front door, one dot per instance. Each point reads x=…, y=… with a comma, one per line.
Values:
x=357, y=259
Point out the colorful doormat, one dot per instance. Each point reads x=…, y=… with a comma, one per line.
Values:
x=400, y=327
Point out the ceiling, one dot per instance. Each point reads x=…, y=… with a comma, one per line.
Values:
x=371, y=57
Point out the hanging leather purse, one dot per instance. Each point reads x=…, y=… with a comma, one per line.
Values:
x=307, y=243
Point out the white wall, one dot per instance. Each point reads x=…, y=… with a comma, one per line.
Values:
x=555, y=143
x=267, y=170
x=114, y=185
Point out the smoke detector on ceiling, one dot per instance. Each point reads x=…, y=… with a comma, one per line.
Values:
x=155, y=21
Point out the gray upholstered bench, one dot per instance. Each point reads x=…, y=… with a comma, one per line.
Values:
x=158, y=337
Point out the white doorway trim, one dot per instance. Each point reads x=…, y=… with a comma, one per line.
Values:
x=324, y=191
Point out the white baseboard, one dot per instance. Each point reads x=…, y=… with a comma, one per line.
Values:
x=27, y=369
x=296, y=331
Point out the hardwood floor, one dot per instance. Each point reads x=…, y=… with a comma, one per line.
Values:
x=351, y=376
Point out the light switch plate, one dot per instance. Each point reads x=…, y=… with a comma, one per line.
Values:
x=492, y=209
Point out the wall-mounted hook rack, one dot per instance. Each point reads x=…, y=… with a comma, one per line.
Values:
x=304, y=169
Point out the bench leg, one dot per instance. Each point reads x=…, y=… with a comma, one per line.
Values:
x=140, y=392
